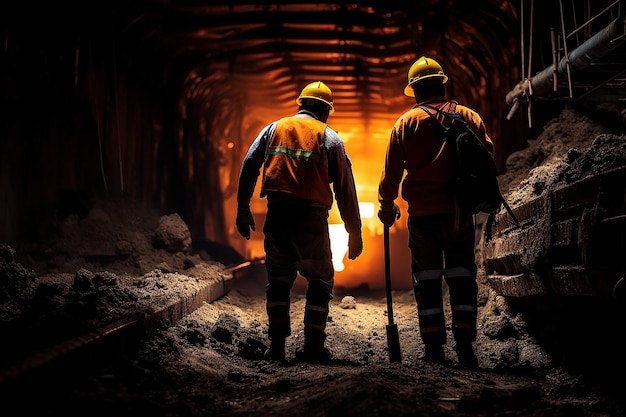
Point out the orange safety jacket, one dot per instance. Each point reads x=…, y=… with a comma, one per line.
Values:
x=413, y=148
x=296, y=163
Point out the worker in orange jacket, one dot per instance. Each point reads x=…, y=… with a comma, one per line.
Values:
x=441, y=237
x=301, y=157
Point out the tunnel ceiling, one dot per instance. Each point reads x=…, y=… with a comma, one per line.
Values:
x=268, y=51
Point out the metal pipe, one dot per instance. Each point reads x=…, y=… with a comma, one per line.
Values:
x=589, y=51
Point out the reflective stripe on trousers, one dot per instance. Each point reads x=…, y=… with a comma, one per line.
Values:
x=440, y=251
x=297, y=240
x=463, y=291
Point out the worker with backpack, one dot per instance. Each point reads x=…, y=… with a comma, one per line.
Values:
x=441, y=230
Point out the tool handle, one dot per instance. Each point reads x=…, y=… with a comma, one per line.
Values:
x=388, y=276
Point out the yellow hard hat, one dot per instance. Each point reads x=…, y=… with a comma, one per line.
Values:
x=423, y=68
x=317, y=91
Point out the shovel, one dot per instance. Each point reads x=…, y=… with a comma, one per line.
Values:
x=393, y=338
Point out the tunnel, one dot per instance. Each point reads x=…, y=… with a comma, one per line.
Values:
x=150, y=106
x=160, y=100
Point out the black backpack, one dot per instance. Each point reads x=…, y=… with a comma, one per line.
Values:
x=475, y=182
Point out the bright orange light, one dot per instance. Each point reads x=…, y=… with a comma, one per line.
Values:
x=338, y=244
x=339, y=236
x=367, y=210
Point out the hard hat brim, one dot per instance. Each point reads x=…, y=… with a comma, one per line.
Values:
x=330, y=105
x=408, y=90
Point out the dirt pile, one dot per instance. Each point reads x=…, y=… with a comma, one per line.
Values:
x=116, y=259
x=572, y=146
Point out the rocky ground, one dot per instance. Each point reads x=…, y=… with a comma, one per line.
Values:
x=117, y=257
x=211, y=364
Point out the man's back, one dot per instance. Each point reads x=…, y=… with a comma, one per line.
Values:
x=296, y=163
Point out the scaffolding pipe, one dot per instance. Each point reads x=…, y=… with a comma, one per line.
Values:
x=589, y=51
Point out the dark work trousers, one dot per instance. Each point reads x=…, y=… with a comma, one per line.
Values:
x=297, y=240
x=439, y=252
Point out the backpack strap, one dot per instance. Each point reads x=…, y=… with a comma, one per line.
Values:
x=442, y=128
x=450, y=113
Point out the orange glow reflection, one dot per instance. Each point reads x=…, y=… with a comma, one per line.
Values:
x=367, y=147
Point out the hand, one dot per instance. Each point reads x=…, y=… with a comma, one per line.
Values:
x=245, y=221
x=389, y=214
x=355, y=245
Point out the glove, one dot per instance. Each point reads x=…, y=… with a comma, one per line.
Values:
x=355, y=245
x=389, y=214
x=244, y=221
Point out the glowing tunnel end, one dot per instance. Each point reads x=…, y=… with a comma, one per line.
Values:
x=366, y=210
x=338, y=244
x=339, y=236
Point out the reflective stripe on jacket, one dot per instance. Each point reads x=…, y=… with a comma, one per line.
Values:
x=297, y=147
x=339, y=171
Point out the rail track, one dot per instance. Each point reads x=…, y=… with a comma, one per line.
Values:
x=55, y=364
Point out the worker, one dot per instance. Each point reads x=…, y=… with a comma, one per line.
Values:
x=441, y=236
x=301, y=157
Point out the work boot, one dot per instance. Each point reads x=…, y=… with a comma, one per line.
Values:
x=466, y=356
x=315, y=352
x=320, y=355
x=276, y=351
x=434, y=353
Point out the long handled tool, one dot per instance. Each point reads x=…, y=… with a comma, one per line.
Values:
x=393, y=338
